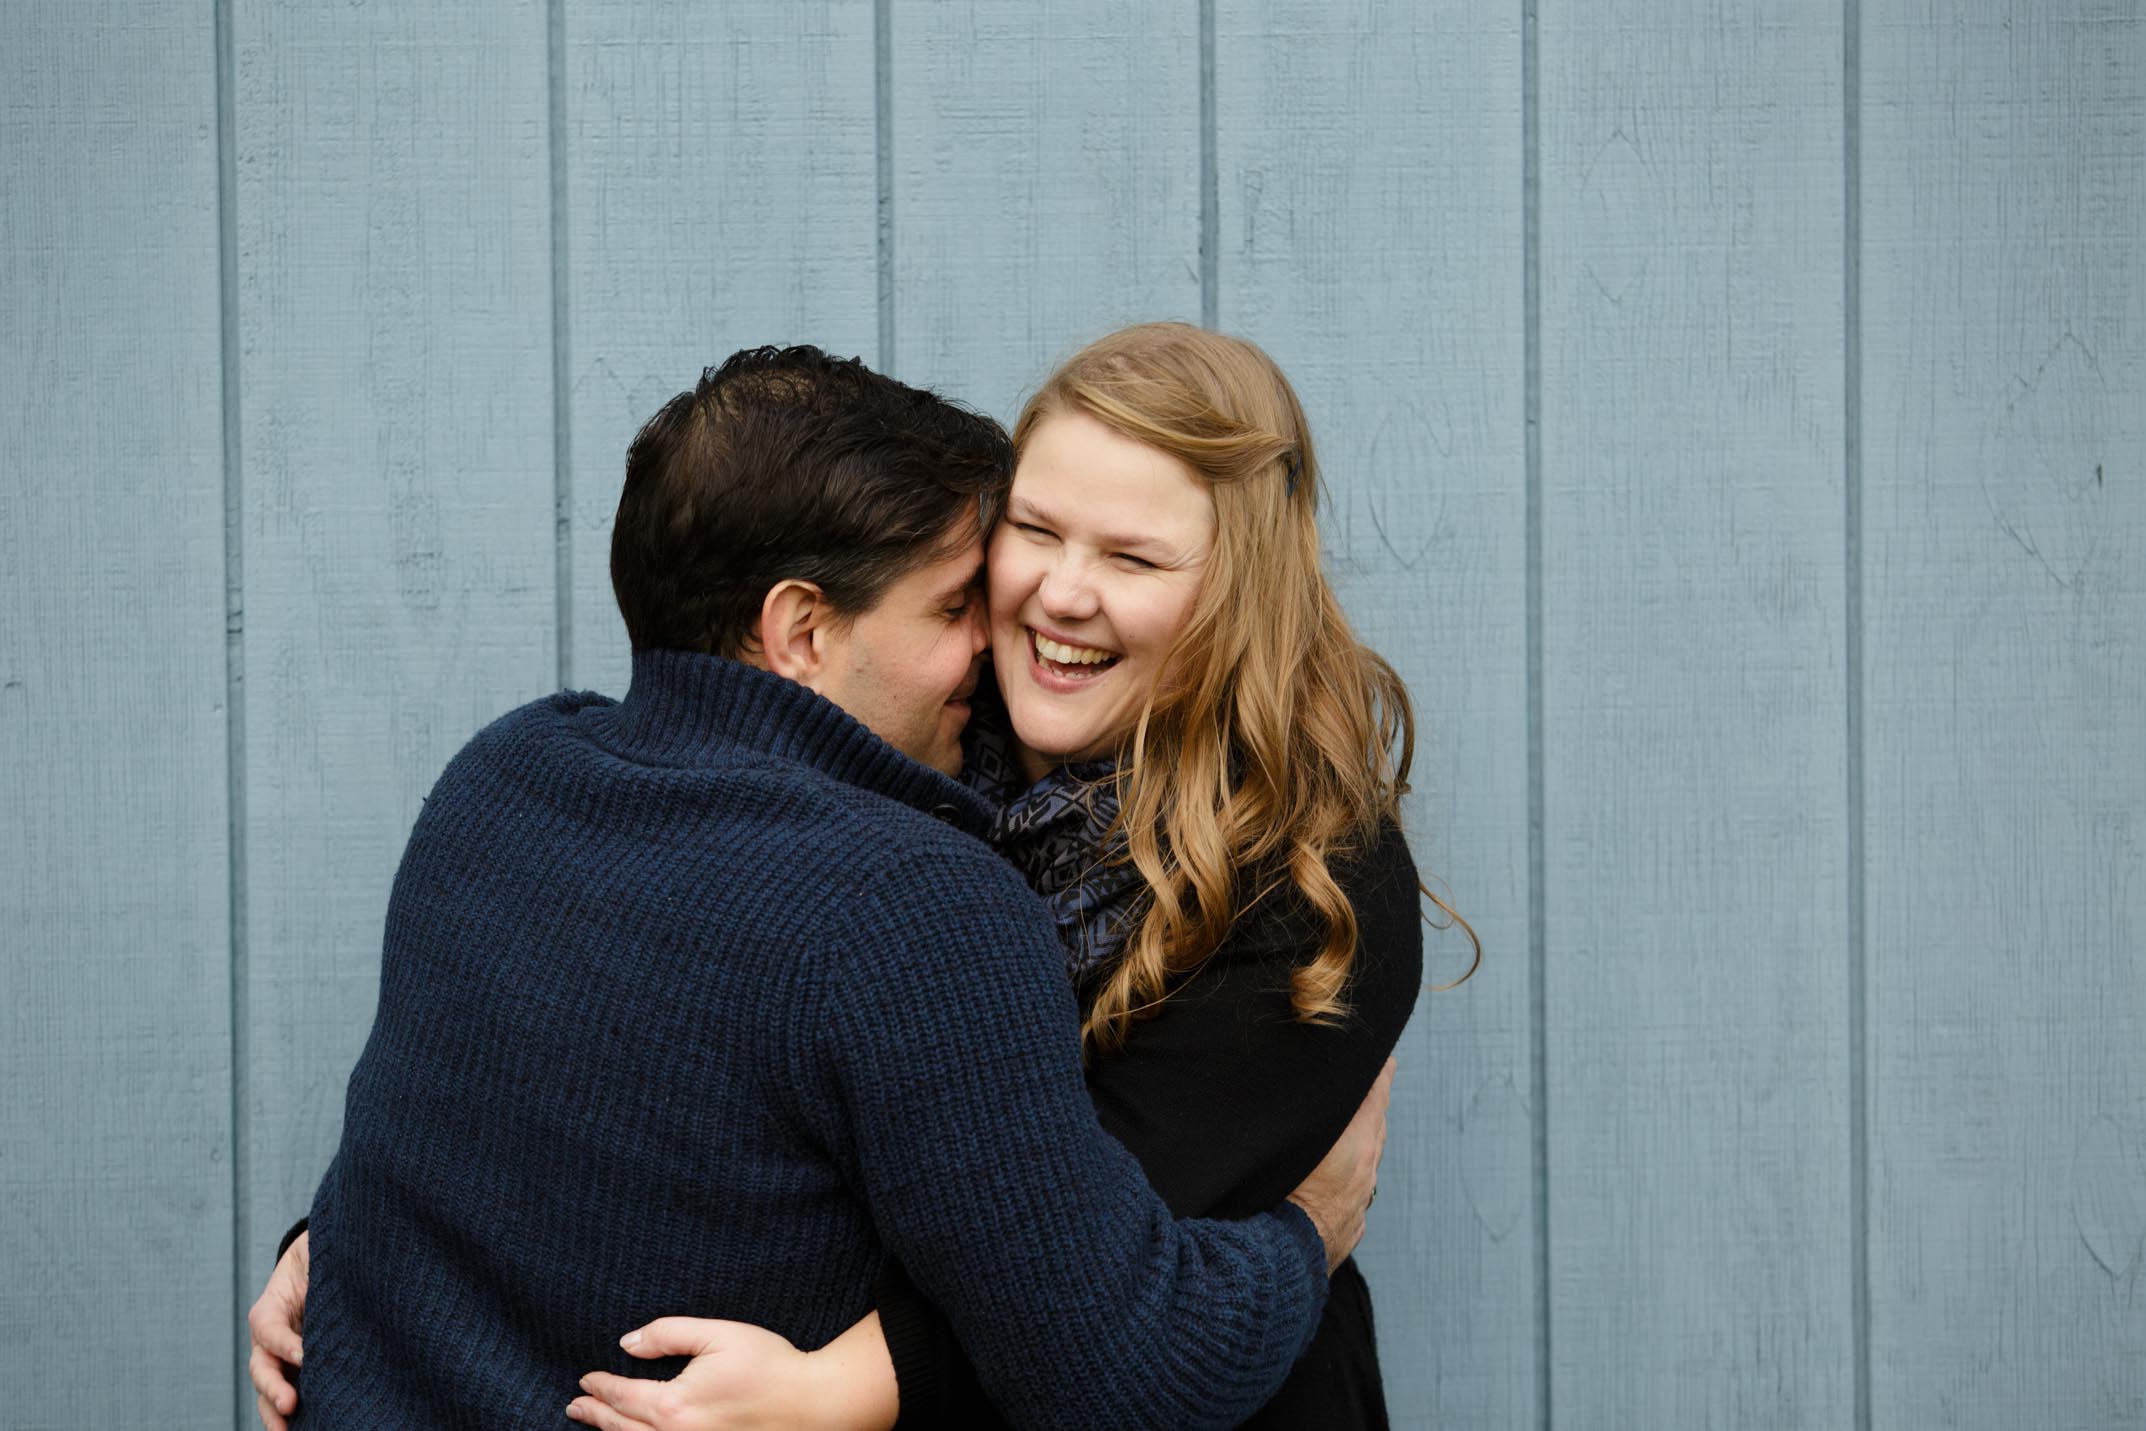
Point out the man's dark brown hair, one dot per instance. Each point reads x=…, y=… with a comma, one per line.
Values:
x=785, y=463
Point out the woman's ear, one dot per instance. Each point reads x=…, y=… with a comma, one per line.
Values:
x=793, y=626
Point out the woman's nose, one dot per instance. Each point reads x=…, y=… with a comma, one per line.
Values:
x=1067, y=591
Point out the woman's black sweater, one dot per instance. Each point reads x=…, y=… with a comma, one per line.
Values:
x=1229, y=1103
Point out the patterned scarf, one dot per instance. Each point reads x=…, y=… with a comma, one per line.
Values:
x=1056, y=832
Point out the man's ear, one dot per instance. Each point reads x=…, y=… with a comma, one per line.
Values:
x=794, y=622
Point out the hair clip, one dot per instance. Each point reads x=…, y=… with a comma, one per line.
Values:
x=1289, y=473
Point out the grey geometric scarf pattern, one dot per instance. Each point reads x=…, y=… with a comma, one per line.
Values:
x=1057, y=833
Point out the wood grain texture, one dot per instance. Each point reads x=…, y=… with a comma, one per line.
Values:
x=399, y=257
x=115, y=1126
x=396, y=423
x=1694, y=749
x=2004, y=321
x=1046, y=161
x=722, y=192
x=1369, y=175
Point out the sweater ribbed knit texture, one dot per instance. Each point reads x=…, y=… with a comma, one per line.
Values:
x=704, y=1002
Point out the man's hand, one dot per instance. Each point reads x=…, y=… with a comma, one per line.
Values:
x=275, y=1323
x=1340, y=1188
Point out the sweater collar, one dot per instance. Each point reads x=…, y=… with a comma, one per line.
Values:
x=683, y=708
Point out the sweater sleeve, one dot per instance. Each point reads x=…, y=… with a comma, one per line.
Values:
x=951, y=1041
x=1225, y=1099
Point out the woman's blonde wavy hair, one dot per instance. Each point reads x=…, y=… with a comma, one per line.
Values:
x=1279, y=742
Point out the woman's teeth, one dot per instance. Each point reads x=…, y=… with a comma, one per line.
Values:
x=1060, y=654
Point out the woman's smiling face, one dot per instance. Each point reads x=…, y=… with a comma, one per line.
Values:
x=1093, y=574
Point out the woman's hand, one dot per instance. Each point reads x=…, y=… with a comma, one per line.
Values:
x=274, y=1323
x=746, y=1378
x=1340, y=1189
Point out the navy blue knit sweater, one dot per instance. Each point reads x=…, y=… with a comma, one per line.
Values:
x=711, y=999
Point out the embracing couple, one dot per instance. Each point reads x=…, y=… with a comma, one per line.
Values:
x=979, y=1041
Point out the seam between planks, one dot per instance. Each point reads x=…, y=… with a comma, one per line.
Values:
x=562, y=489
x=1852, y=620
x=1538, y=926
x=240, y=986
x=1210, y=191
x=883, y=123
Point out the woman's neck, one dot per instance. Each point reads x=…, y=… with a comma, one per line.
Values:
x=1034, y=763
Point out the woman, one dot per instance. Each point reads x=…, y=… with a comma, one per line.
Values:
x=1196, y=765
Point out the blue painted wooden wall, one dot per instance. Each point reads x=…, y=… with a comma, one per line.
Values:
x=1736, y=419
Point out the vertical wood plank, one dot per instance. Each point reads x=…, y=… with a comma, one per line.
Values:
x=1694, y=762
x=1369, y=174
x=396, y=435
x=721, y=192
x=2004, y=303
x=1046, y=161
x=115, y=1127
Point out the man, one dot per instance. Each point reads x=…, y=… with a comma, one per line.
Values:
x=711, y=999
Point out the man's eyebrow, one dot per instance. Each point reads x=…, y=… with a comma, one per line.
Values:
x=947, y=596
